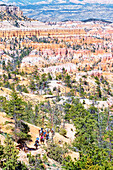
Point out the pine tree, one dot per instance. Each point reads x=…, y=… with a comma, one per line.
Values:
x=29, y=115
x=35, y=162
x=10, y=155
x=1, y=152
x=17, y=110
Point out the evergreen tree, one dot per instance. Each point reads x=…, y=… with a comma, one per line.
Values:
x=32, y=86
x=3, y=104
x=3, y=65
x=68, y=80
x=29, y=115
x=35, y=162
x=1, y=152
x=17, y=110
x=10, y=155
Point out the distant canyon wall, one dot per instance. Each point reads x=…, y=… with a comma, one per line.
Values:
x=40, y=33
x=12, y=10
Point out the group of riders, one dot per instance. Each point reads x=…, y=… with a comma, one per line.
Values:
x=44, y=135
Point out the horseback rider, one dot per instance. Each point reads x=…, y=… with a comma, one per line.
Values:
x=42, y=139
x=41, y=132
x=37, y=142
x=44, y=133
x=47, y=136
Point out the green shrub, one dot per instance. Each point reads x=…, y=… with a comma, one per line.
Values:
x=45, y=158
x=56, y=152
x=63, y=132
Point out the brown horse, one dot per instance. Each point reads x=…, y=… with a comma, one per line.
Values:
x=42, y=139
x=41, y=133
x=36, y=144
x=25, y=148
x=44, y=134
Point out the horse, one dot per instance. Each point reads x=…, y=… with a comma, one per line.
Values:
x=44, y=134
x=25, y=148
x=36, y=143
x=41, y=132
x=42, y=139
x=47, y=136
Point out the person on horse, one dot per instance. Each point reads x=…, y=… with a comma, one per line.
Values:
x=44, y=133
x=37, y=142
x=41, y=132
x=47, y=136
x=42, y=139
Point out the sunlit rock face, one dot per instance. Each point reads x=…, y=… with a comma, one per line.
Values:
x=12, y=10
